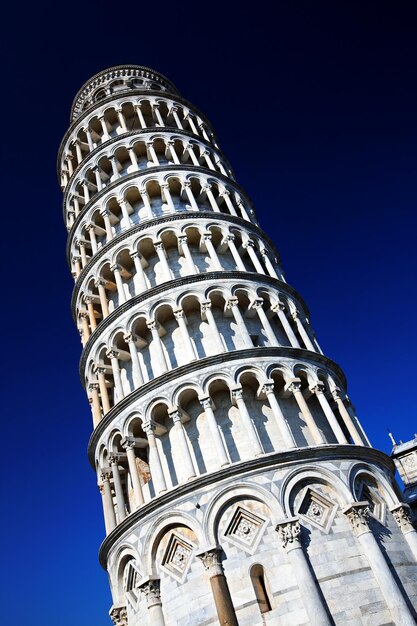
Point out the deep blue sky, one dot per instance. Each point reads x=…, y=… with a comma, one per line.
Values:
x=315, y=106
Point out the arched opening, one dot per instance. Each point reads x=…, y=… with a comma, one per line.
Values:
x=257, y=577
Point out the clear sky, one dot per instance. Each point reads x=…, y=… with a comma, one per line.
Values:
x=315, y=105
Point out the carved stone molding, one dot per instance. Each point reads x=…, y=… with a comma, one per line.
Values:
x=150, y=587
x=289, y=532
x=402, y=515
x=358, y=514
x=118, y=615
x=210, y=558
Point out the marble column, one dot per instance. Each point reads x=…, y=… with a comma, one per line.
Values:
x=160, y=356
x=233, y=305
x=294, y=386
x=131, y=340
x=402, y=515
x=108, y=508
x=353, y=431
x=289, y=531
x=214, y=431
x=268, y=390
x=182, y=324
x=150, y=587
x=358, y=514
x=129, y=446
x=257, y=305
x=120, y=499
x=118, y=615
x=155, y=466
x=210, y=558
x=318, y=390
x=207, y=314
x=237, y=399
x=187, y=467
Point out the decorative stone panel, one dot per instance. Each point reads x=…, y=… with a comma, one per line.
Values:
x=177, y=557
x=245, y=529
x=317, y=509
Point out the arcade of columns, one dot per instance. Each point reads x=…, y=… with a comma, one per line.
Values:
x=199, y=361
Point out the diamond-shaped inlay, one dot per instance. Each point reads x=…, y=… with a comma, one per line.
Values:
x=245, y=528
x=177, y=556
x=317, y=509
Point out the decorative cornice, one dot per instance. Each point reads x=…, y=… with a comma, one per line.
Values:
x=190, y=368
x=150, y=170
x=295, y=456
x=173, y=284
x=120, y=96
x=140, y=133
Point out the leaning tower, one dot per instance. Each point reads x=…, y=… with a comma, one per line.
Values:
x=238, y=485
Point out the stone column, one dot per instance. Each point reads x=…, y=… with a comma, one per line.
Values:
x=147, y=203
x=99, y=283
x=83, y=315
x=142, y=122
x=230, y=239
x=113, y=356
x=125, y=214
x=189, y=348
x=233, y=305
x=187, y=186
x=318, y=390
x=307, y=341
x=249, y=246
x=150, y=587
x=119, y=283
x=89, y=139
x=105, y=402
x=133, y=159
x=402, y=515
x=358, y=514
x=95, y=403
x=115, y=170
x=270, y=268
x=120, y=499
x=129, y=446
x=136, y=369
x=167, y=195
x=154, y=328
x=268, y=390
x=102, y=121
x=140, y=276
x=91, y=313
x=121, y=119
x=151, y=153
x=160, y=251
x=190, y=149
x=210, y=558
x=210, y=196
x=172, y=153
x=174, y=111
x=257, y=305
x=207, y=313
x=107, y=224
x=155, y=467
x=214, y=431
x=108, y=508
x=206, y=237
x=91, y=230
x=226, y=195
x=158, y=115
x=187, y=466
x=182, y=242
x=353, y=432
x=289, y=532
x=118, y=615
x=294, y=386
x=99, y=182
x=279, y=309
x=206, y=154
x=237, y=399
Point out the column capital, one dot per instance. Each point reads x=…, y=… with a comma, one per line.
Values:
x=158, y=245
x=130, y=338
x=206, y=402
x=205, y=306
x=358, y=514
x=278, y=306
x=182, y=239
x=186, y=183
x=113, y=459
x=289, y=531
x=205, y=187
x=152, y=325
x=174, y=413
x=268, y=387
x=150, y=587
x=105, y=474
x=83, y=314
x=236, y=393
x=118, y=615
x=128, y=443
x=402, y=515
x=257, y=303
x=112, y=353
x=179, y=314
x=293, y=385
x=115, y=267
x=317, y=388
x=93, y=386
x=210, y=558
x=336, y=394
x=248, y=244
x=232, y=302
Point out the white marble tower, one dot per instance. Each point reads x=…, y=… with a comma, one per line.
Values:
x=238, y=486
